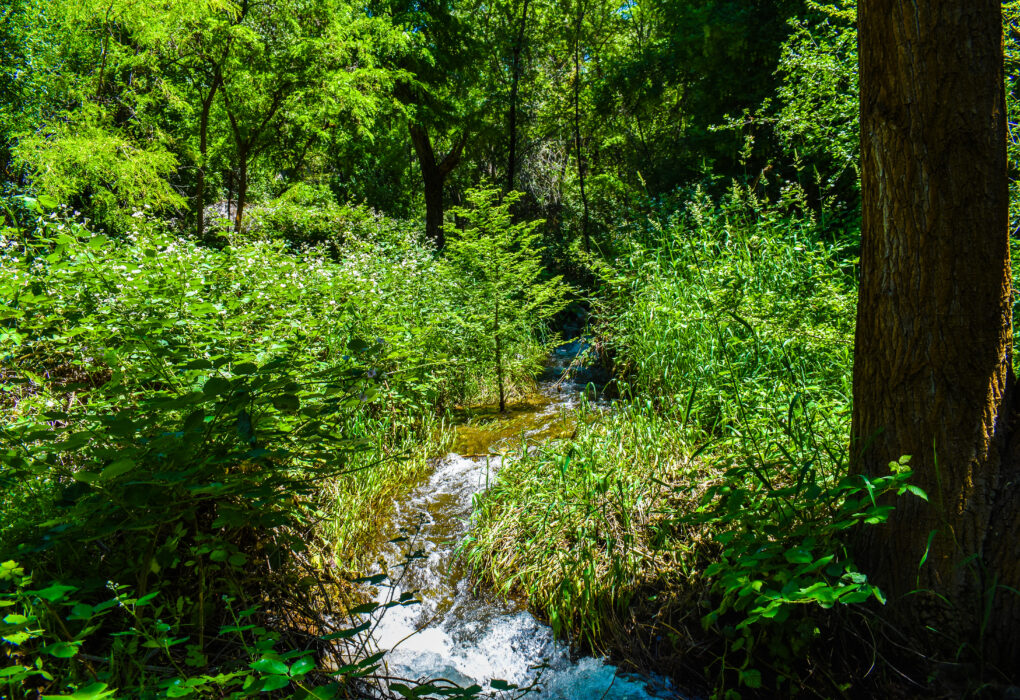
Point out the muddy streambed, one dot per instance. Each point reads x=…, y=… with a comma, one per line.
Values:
x=470, y=637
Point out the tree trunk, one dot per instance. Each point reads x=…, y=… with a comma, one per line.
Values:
x=932, y=357
x=511, y=165
x=577, y=125
x=242, y=189
x=434, y=206
x=434, y=176
x=499, y=363
x=203, y=149
x=230, y=193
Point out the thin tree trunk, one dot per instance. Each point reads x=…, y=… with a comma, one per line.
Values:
x=511, y=166
x=101, y=77
x=230, y=193
x=252, y=141
x=203, y=150
x=577, y=124
x=499, y=363
x=933, y=351
x=242, y=189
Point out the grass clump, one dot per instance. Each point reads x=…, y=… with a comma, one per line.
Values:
x=571, y=524
x=722, y=502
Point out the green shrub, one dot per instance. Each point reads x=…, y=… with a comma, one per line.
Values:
x=306, y=216
x=494, y=267
x=170, y=427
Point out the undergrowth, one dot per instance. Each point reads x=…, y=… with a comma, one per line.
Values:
x=197, y=445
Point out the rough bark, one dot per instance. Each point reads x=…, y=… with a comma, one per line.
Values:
x=434, y=174
x=511, y=165
x=932, y=358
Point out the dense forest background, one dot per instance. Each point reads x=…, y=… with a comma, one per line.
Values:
x=592, y=111
x=257, y=254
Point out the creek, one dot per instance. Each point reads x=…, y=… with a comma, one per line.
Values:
x=474, y=637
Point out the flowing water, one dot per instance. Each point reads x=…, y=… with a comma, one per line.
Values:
x=470, y=637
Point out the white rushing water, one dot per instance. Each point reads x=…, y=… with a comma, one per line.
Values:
x=473, y=638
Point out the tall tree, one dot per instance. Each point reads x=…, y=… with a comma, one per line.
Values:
x=933, y=357
x=293, y=68
x=271, y=70
x=211, y=48
x=440, y=91
x=193, y=52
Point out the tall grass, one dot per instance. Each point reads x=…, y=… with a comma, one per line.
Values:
x=728, y=309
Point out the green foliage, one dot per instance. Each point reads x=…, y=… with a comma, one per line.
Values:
x=1011, y=29
x=289, y=69
x=47, y=631
x=567, y=524
x=172, y=457
x=208, y=430
x=817, y=99
x=79, y=158
x=215, y=84
x=721, y=293
x=761, y=310
x=496, y=268
x=307, y=216
x=251, y=99
x=24, y=97
x=781, y=556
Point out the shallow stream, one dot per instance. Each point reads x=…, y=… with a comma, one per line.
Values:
x=470, y=637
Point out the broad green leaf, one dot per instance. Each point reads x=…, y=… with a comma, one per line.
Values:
x=118, y=468
x=270, y=666
x=275, y=683
x=917, y=491
x=94, y=691
x=302, y=666
x=798, y=555
x=61, y=650
x=55, y=592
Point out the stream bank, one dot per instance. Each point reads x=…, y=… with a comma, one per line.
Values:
x=469, y=636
